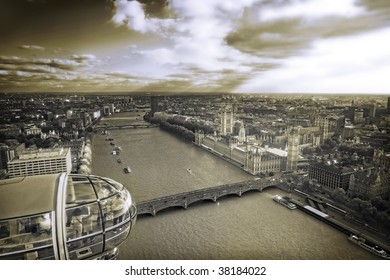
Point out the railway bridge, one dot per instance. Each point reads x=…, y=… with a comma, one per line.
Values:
x=185, y=199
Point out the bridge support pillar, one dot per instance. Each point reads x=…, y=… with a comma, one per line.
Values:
x=185, y=205
x=240, y=193
x=214, y=198
x=154, y=212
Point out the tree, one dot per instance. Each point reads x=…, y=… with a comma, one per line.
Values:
x=338, y=195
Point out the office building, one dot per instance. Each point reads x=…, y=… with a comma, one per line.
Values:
x=330, y=175
x=154, y=105
x=8, y=153
x=388, y=103
x=40, y=161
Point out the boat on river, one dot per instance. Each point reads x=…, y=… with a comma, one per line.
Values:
x=284, y=202
x=373, y=249
x=127, y=169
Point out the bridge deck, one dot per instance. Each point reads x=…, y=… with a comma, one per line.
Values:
x=212, y=193
x=124, y=126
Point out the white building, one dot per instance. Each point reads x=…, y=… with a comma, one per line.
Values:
x=34, y=130
x=40, y=161
x=253, y=159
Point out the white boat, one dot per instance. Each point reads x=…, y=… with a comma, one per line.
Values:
x=373, y=249
x=284, y=202
x=127, y=169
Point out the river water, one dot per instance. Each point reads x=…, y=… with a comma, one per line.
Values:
x=250, y=227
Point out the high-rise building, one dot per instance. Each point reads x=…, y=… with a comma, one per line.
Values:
x=358, y=116
x=153, y=105
x=292, y=150
x=348, y=132
x=48, y=116
x=40, y=161
x=388, y=103
x=9, y=153
x=371, y=110
x=69, y=114
x=106, y=110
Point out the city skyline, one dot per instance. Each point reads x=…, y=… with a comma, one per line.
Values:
x=327, y=154
x=251, y=46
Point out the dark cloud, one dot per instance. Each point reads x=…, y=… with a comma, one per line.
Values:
x=277, y=38
x=123, y=76
x=180, y=76
x=26, y=68
x=201, y=81
x=75, y=63
x=31, y=73
x=280, y=38
x=375, y=4
x=169, y=86
x=83, y=58
x=230, y=82
x=26, y=81
x=156, y=8
x=31, y=47
x=228, y=48
x=35, y=19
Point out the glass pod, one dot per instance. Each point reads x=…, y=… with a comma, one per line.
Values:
x=64, y=216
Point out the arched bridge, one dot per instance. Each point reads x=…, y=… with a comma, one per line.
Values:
x=124, y=126
x=213, y=193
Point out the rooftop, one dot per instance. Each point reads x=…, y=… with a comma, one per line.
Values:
x=43, y=153
x=278, y=152
x=25, y=192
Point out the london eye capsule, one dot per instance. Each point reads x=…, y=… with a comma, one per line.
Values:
x=64, y=216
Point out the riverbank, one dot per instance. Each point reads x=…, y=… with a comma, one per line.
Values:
x=338, y=221
x=250, y=227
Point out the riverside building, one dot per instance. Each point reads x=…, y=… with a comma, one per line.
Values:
x=40, y=161
x=252, y=158
x=330, y=175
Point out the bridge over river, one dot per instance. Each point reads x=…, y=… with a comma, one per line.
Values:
x=124, y=126
x=213, y=193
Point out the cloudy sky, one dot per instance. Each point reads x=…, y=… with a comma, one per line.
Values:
x=243, y=46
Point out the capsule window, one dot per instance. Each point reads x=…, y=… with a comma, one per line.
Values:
x=116, y=236
x=83, y=220
x=26, y=235
x=79, y=190
x=103, y=188
x=115, y=211
x=97, y=216
x=85, y=247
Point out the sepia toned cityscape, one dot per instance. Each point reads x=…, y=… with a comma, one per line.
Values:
x=327, y=156
x=174, y=130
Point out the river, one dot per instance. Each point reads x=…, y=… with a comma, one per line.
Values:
x=249, y=227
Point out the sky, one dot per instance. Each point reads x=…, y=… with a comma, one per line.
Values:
x=179, y=46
